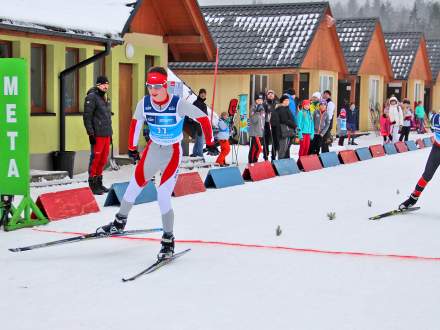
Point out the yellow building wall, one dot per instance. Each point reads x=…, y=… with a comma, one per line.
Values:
x=364, y=106
x=275, y=82
x=44, y=130
x=436, y=96
x=229, y=86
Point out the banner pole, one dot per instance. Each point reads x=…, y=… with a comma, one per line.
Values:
x=215, y=83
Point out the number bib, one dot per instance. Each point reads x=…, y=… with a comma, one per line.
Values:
x=165, y=125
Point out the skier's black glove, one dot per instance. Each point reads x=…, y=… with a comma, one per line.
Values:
x=92, y=139
x=133, y=155
x=211, y=149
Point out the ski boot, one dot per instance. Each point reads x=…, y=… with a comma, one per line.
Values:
x=167, y=249
x=117, y=226
x=411, y=201
x=94, y=186
x=99, y=184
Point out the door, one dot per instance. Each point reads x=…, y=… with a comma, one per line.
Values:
x=304, y=85
x=394, y=89
x=344, y=90
x=427, y=100
x=125, y=105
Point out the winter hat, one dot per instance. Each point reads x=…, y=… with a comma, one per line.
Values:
x=317, y=95
x=270, y=91
x=393, y=98
x=322, y=102
x=284, y=97
x=259, y=97
x=102, y=80
x=305, y=102
x=343, y=113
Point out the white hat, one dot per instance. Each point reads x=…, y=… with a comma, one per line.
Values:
x=393, y=98
x=317, y=95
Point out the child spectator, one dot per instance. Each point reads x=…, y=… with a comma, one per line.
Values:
x=407, y=118
x=352, y=123
x=256, y=128
x=342, y=126
x=223, y=139
x=306, y=129
x=321, y=122
x=420, y=117
x=385, y=127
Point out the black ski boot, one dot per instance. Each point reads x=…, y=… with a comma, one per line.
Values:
x=114, y=227
x=410, y=202
x=167, y=249
x=94, y=186
x=99, y=183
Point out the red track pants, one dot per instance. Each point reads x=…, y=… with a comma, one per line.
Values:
x=99, y=155
x=225, y=149
x=304, y=145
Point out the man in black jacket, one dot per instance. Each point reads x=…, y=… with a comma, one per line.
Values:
x=98, y=123
x=199, y=139
x=269, y=107
x=287, y=126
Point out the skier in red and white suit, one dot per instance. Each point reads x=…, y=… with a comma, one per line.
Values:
x=164, y=115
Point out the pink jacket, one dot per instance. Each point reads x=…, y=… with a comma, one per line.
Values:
x=384, y=126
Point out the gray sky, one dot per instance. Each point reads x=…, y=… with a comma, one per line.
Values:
x=243, y=2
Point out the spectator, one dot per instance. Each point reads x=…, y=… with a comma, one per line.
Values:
x=198, y=136
x=321, y=123
x=256, y=125
x=352, y=123
x=223, y=138
x=287, y=126
x=396, y=118
x=314, y=102
x=385, y=128
x=97, y=119
x=331, y=111
x=269, y=107
x=407, y=118
x=276, y=132
x=305, y=128
x=342, y=126
x=420, y=117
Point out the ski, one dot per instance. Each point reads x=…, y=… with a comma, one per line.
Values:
x=158, y=264
x=85, y=237
x=394, y=212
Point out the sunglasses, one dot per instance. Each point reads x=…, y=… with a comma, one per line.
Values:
x=155, y=86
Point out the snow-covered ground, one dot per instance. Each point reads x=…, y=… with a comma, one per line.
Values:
x=217, y=286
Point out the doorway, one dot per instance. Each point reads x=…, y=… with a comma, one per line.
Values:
x=125, y=105
x=427, y=100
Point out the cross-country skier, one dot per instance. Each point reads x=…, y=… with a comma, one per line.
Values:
x=431, y=165
x=164, y=114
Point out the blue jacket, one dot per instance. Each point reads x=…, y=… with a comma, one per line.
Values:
x=305, y=124
x=292, y=105
x=352, y=119
x=223, y=130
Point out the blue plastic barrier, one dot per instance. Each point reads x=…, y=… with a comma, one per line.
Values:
x=411, y=145
x=285, y=166
x=117, y=191
x=223, y=177
x=390, y=149
x=329, y=159
x=364, y=153
x=427, y=142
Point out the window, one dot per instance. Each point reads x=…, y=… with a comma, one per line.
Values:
x=71, y=92
x=418, y=96
x=287, y=82
x=373, y=97
x=149, y=62
x=326, y=83
x=38, y=78
x=98, y=67
x=5, y=49
x=258, y=85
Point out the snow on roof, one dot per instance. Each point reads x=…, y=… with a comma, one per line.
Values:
x=103, y=18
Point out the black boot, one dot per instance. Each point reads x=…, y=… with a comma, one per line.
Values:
x=167, y=249
x=94, y=186
x=114, y=227
x=99, y=180
x=410, y=202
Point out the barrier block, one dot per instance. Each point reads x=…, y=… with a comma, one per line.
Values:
x=117, y=191
x=329, y=159
x=411, y=145
x=427, y=142
x=363, y=153
x=224, y=177
x=188, y=183
x=67, y=203
x=377, y=150
x=259, y=171
x=401, y=146
x=309, y=163
x=348, y=156
x=285, y=166
x=420, y=143
x=390, y=149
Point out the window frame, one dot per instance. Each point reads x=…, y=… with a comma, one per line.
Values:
x=102, y=66
x=263, y=79
x=418, y=86
x=8, y=45
x=326, y=86
x=43, y=108
x=373, y=100
x=75, y=109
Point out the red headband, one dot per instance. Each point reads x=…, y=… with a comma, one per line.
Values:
x=156, y=78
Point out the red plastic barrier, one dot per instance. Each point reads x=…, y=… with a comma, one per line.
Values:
x=67, y=203
x=188, y=183
x=259, y=171
x=401, y=146
x=309, y=163
x=348, y=156
x=377, y=150
x=420, y=143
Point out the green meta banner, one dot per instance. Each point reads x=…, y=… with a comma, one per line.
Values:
x=14, y=127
